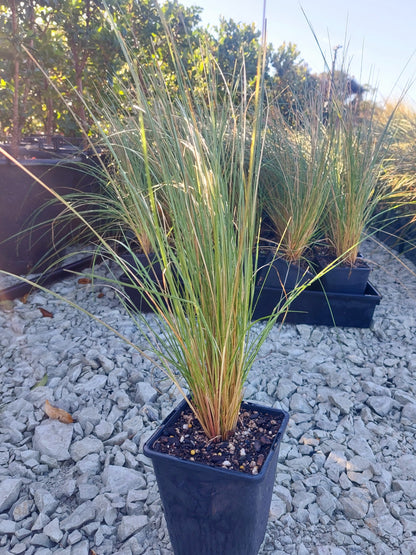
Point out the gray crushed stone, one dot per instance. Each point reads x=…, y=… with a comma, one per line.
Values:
x=346, y=478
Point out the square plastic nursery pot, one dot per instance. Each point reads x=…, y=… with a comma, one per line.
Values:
x=29, y=231
x=278, y=272
x=317, y=307
x=401, y=236
x=137, y=300
x=346, y=279
x=210, y=510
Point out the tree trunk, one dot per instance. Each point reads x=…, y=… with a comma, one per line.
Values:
x=50, y=116
x=15, y=139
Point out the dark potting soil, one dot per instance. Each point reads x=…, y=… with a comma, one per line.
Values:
x=245, y=451
x=323, y=256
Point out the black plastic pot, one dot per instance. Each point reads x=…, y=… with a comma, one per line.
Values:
x=346, y=279
x=20, y=289
x=400, y=235
x=278, y=272
x=317, y=307
x=211, y=511
x=138, y=300
x=30, y=238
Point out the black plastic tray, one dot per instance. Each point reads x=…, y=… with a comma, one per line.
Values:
x=315, y=307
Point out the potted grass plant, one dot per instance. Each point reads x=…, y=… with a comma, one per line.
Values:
x=193, y=195
x=359, y=154
x=294, y=193
x=396, y=226
x=197, y=205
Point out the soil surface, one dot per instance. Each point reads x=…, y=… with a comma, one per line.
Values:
x=245, y=451
x=322, y=256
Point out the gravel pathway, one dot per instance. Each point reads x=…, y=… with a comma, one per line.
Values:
x=346, y=480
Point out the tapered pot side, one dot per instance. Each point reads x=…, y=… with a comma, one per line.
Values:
x=346, y=279
x=278, y=272
x=400, y=234
x=29, y=237
x=212, y=510
x=138, y=300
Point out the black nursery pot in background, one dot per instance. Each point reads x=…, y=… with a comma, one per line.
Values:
x=210, y=510
x=137, y=300
x=30, y=237
x=278, y=272
x=346, y=279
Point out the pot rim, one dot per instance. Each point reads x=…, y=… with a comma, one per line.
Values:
x=231, y=473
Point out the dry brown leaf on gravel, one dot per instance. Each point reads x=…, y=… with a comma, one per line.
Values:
x=46, y=313
x=57, y=414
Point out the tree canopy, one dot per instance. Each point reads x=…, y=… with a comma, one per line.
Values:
x=53, y=51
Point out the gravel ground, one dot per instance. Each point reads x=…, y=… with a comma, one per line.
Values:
x=346, y=480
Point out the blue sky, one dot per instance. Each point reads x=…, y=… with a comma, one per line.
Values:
x=378, y=36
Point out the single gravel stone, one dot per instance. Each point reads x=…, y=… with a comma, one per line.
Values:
x=303, y=499
x=85, y=447
x=82, y=514
x=120, y=479
x=95, y=384
x=329, y=550
x=44, y=500
x=87, y=491
x=81, y=548
x=372, y=388
x=407, y=486
x=88, y=415
x=354, y=506
x=53, y=438
x=327, y=503
x=360, y=447
x=341, y=401
x=41, y=540
x=53, y=530
x=41, y=521
x=90, y=464
x=22, y=510
x=283, y=494
x=130, y=525
x=18, y=549
x=103, y=430
x=106, y=364
x=406, y=466
x=7, y=526
x=409, y=412
x=382, y=404
x=358, y=464
x=145, y=393
x=9, y=492
x=385, y=526
x=74, y=537
x=298, y=403
x=285, y=388
x=335, y=464
x=409, y=525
